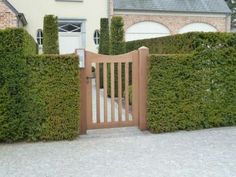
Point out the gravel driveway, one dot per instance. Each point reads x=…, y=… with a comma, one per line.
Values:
x=126, y=153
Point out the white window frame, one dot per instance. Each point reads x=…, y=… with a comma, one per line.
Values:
x=96, y=37
x=39, y=37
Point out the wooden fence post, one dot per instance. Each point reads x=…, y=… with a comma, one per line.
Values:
x=83, y=100
x=143, y=71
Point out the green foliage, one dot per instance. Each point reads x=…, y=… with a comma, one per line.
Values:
x=117, y=46
x=181, y=43
x=117, y=41
x=14, y=94
x=104, y=36
x=50, y=35
x=104, y=43
x=232, y=6
x=55, y=82
x=39, y=95
x=188, y=92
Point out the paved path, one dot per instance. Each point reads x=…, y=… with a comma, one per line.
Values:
x=94, y=106
x=126, y=153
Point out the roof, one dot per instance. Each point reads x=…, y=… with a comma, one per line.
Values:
x=20, y=16
x=185, y=6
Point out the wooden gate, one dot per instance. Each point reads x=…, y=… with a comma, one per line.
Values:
x=113, y=90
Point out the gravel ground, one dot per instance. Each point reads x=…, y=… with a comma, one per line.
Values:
x=125, y=152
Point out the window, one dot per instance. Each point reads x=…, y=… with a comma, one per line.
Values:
x=69, y=27
x=96, y=37
x=40, y=37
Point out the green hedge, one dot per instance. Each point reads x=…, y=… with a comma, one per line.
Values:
x=39, y=95
x=55, y=82
x=104, y=45
x=188, y=92
x=117, y=46
x=50, y=35
x=182, y=43
x=14, y=93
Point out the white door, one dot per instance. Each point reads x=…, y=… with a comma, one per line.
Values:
x=146, y=30
x=70, y=37
x=68, y=42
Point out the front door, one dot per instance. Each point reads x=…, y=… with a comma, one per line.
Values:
x=70, y=37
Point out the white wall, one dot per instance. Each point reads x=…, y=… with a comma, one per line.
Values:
x=91, y=10
x=146, y=30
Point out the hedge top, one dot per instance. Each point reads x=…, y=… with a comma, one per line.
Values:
x=183, y=43
x=16, y=40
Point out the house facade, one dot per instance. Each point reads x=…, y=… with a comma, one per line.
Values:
x=79, y=20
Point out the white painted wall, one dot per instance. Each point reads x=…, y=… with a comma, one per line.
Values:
x=146, y=30
x=91, y=10
x=197, y=27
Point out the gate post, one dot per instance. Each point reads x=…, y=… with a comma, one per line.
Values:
x=142, y=94
x=83, y=96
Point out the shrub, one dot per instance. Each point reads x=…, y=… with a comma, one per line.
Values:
x=104, y=36
x=55, y=81
x=188, y=92
x=181, y=43
x=50, y=35
x=104, y=43
x=15, y=120
x=117, y=46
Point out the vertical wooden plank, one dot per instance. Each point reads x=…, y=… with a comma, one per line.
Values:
x=83, y=98
x=127, y=91
x=88, y=70
x=135, y=87
x=120, y=91
x=143, y=70
x=112, y=93
x=105, y=90
x=98, y=92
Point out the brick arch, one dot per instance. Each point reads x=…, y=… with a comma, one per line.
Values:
x=132, y=20
x=154, y=21
x=174, y=22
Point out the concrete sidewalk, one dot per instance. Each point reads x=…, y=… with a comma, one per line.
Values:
x=126, y=152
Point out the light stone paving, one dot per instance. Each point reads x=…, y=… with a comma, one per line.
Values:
x=125, y=152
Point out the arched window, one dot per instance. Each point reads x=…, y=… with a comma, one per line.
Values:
x=96, y=37
x=40, y=37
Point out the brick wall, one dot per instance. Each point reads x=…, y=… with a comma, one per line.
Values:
x=174, y=22
x=8, y=18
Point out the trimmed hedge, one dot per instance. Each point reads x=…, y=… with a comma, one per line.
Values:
x=15, y=120
x=117, y=46
x=104, y=45
x=188, y=92
x=182, y=43
x=50, y=35
x=55, y=82
x=104, y=36
x=39, y=95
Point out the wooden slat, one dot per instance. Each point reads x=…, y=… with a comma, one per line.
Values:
x=120, y=92
x=112, y=93
x=105, y=90
x=127, y=91
x=98, y=91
